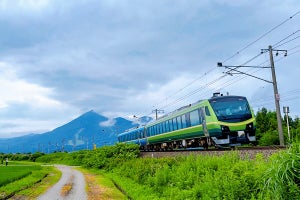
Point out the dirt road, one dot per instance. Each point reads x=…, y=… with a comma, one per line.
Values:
x=71, y=186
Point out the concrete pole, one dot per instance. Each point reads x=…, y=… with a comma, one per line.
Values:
x=277, y=98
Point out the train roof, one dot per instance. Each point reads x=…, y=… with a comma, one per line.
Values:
x=215, y=96
x=131, y=130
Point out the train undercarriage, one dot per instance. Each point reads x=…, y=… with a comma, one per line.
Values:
x=229, y=140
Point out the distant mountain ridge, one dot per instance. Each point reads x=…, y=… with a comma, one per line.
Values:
x=80, y=133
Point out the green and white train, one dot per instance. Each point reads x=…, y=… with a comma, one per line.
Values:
x=218, y=121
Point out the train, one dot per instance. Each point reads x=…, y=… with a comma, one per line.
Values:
x=222, y=120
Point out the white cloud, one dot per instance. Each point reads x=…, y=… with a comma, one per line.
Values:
x=128, y=58
x=109, y=123
x=21, y=91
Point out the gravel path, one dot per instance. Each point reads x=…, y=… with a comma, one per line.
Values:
x=71, y=186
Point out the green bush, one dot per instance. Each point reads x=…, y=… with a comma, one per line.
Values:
x=196, y=177
x=282, y=178
x=269, y=138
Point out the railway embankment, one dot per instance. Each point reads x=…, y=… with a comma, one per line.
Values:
x=244, y=152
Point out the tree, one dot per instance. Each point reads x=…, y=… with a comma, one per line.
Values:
x=266, y=127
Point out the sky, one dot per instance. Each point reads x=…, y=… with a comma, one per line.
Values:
x=60, y=59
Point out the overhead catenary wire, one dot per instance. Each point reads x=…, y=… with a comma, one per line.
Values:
x=278, y=43
x=227, y=59
x=238, y=52
x=288, y=41
x=262, y=36
x=204, y=86
x=232, y=81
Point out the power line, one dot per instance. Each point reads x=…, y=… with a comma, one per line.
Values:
x=289, y=41
x=262, y=36
x=275, y=45
x=294, y=47
x=238, y=52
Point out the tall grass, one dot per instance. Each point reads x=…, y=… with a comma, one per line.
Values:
x=196, y=177
x=13, y=173
x=17, y=178
x=282, y=179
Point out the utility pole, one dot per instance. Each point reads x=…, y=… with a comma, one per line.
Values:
x=286, y=111
x=156, y=112
x=233, y=70
x=276, y=95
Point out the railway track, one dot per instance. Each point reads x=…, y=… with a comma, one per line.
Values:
x=244, y=152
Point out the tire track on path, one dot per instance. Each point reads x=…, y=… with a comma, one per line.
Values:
x=71, y=186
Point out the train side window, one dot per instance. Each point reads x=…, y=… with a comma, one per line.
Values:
x=179, y=125
x=171, y=125
x=159, y=128
x=184, y=125
x=188, y=120
x=167, y=126
x=162, y=127
x=175, y=124
x=207, y=113
x=194, y=118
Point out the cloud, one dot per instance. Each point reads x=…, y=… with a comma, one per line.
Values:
x=130, y=57
x=108, y=123
x=20, y=91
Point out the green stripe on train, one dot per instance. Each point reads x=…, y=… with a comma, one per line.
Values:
x=214, y=129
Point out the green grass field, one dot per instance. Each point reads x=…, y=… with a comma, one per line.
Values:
x=13, y=173
x=19, y=176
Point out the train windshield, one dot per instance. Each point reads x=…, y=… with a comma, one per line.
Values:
x=231, y=109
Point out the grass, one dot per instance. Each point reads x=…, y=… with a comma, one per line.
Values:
x=134, y=190
x=100, y=185
x=282, y=179
x=22, y=179
x=41, y=187
x=14, y=173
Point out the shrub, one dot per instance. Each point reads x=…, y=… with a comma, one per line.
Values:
x=269, y=138
x=282, y=179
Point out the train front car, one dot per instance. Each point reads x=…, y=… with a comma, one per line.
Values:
x=234, y=121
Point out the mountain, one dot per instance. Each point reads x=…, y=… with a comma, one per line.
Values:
x=80, y=133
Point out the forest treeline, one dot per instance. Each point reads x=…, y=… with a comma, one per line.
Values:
x=267, y=129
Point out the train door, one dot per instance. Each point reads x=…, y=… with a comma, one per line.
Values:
x=203, y=121
x=206, y=142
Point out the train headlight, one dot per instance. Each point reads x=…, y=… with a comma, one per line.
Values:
x=249, y=126
x=225, y=128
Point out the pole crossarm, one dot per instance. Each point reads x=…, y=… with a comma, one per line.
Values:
x=277, y=50
x=156, y=111
x=274, y=83
x=234, y=68
x=240, y=72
